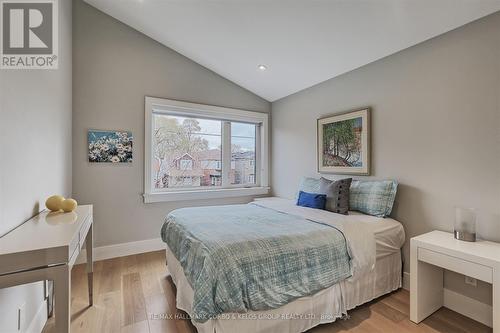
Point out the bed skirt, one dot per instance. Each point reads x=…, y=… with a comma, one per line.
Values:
x=303, y=313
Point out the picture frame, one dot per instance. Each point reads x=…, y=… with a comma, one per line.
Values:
x=343, y=143
x=109, y=146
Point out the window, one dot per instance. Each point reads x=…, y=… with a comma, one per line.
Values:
x=185, y=147
x=243, y=140
x=186, y=164
x=198, y=151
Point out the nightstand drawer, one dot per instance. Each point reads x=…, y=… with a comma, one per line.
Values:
x=451, y=263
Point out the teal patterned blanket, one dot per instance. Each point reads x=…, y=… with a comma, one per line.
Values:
x=247, y=257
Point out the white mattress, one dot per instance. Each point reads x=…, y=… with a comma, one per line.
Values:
x=389, y=233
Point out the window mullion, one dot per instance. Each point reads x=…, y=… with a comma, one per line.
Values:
x=258, y=155
x=226, y=153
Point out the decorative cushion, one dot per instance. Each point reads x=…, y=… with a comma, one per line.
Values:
x=373, y=197
x=337, y=194
x=311, y=200
x=309, y=185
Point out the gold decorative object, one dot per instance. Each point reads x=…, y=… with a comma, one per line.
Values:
x=54, y=203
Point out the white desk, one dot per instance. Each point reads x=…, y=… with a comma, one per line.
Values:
x=437, y=250
x=45, y=248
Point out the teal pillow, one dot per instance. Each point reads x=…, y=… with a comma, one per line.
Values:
x=309, y=185
x=373, y=197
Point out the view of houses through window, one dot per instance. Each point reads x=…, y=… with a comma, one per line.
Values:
x=242, y=153
x=188, y=152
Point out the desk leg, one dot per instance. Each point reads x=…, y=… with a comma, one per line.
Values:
x=426, y=287
x=89, y=241
x=62, y=287
x=496, y=299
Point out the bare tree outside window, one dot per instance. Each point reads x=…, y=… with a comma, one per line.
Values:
x=188, y=152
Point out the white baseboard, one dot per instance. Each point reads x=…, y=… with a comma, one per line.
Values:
x=469, y=307
x=406, y=281
x=464, y=305
x=123, y=249
x=38, y=322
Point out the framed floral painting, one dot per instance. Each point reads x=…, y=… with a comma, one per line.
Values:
x=110, y=146
x=344, y=143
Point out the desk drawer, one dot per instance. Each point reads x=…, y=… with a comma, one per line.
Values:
x=458, y=265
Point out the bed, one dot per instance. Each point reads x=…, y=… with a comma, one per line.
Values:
x=361, y=262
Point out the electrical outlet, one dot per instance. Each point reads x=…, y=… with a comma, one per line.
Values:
x=470, y=281
x=21, y=314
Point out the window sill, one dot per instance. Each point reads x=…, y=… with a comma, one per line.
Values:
x=204, y=194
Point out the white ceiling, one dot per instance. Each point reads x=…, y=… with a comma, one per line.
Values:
x=302, y=42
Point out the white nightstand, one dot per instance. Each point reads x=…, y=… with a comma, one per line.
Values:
x=437, y=250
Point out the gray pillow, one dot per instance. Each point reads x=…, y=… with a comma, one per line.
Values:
x=337, y=194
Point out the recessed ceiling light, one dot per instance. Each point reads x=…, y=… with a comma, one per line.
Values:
x=262, y=67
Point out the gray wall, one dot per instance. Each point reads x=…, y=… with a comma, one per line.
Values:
x=35, y=150
x=114, y=68
x=435, y=128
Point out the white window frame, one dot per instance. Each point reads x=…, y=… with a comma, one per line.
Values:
x=155, y=105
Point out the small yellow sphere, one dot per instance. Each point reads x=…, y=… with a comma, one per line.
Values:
x=54, y=202
x=69, y=205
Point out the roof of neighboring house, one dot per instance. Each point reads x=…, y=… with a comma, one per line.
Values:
x=184, y=155
x=243, y=155
x=211, y=154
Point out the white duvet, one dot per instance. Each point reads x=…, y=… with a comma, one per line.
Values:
x=368, y=237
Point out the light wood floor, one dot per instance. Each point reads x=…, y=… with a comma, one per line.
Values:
x=129, y=290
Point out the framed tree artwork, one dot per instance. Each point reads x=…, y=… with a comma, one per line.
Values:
x=344, y=143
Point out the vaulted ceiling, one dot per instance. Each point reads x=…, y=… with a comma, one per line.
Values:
x=300, y=42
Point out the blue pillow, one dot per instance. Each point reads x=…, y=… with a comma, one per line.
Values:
x=311, y=200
